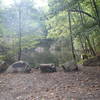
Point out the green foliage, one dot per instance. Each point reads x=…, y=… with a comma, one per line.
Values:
x=45, y=57
x=50, y=23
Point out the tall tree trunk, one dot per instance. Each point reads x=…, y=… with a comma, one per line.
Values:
x=81, y=17
x=71, y=37
x=94, y=46
x=92, y=6
x=90, y=46
x=86, y=44
x=97, y=12
x=86, y=47
x=20, y=48
x=82, y=24
x=80, y=37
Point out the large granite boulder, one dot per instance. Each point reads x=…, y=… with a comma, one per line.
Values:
x=20, y=66
x=95, y=61
x=3, y=66
x=70, y=66
x=47, y=68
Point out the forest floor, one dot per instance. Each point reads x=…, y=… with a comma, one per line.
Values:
x=81, y=85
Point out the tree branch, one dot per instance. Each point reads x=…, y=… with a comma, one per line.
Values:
x=80, y=11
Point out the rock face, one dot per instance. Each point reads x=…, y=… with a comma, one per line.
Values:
x=70, y=66
x=20, y=66
x=95, y=61
x=47, y=68
x=3, y=66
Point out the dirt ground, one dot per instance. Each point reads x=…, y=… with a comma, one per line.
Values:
x=82, y=85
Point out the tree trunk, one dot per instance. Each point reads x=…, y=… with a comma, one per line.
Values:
x=80, y=37
x=70, y=28
x=94, y=46
x=20, y=51
x=85, y=44
x=92, y=6
x=90, y=46
x=81, y=17
x=97, y=13
x=82, y=24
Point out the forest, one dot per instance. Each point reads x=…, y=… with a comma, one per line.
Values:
x=56, y=32
x=60, y=36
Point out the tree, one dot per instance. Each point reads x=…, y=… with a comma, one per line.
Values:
x=84, y=22
x=70, y=28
